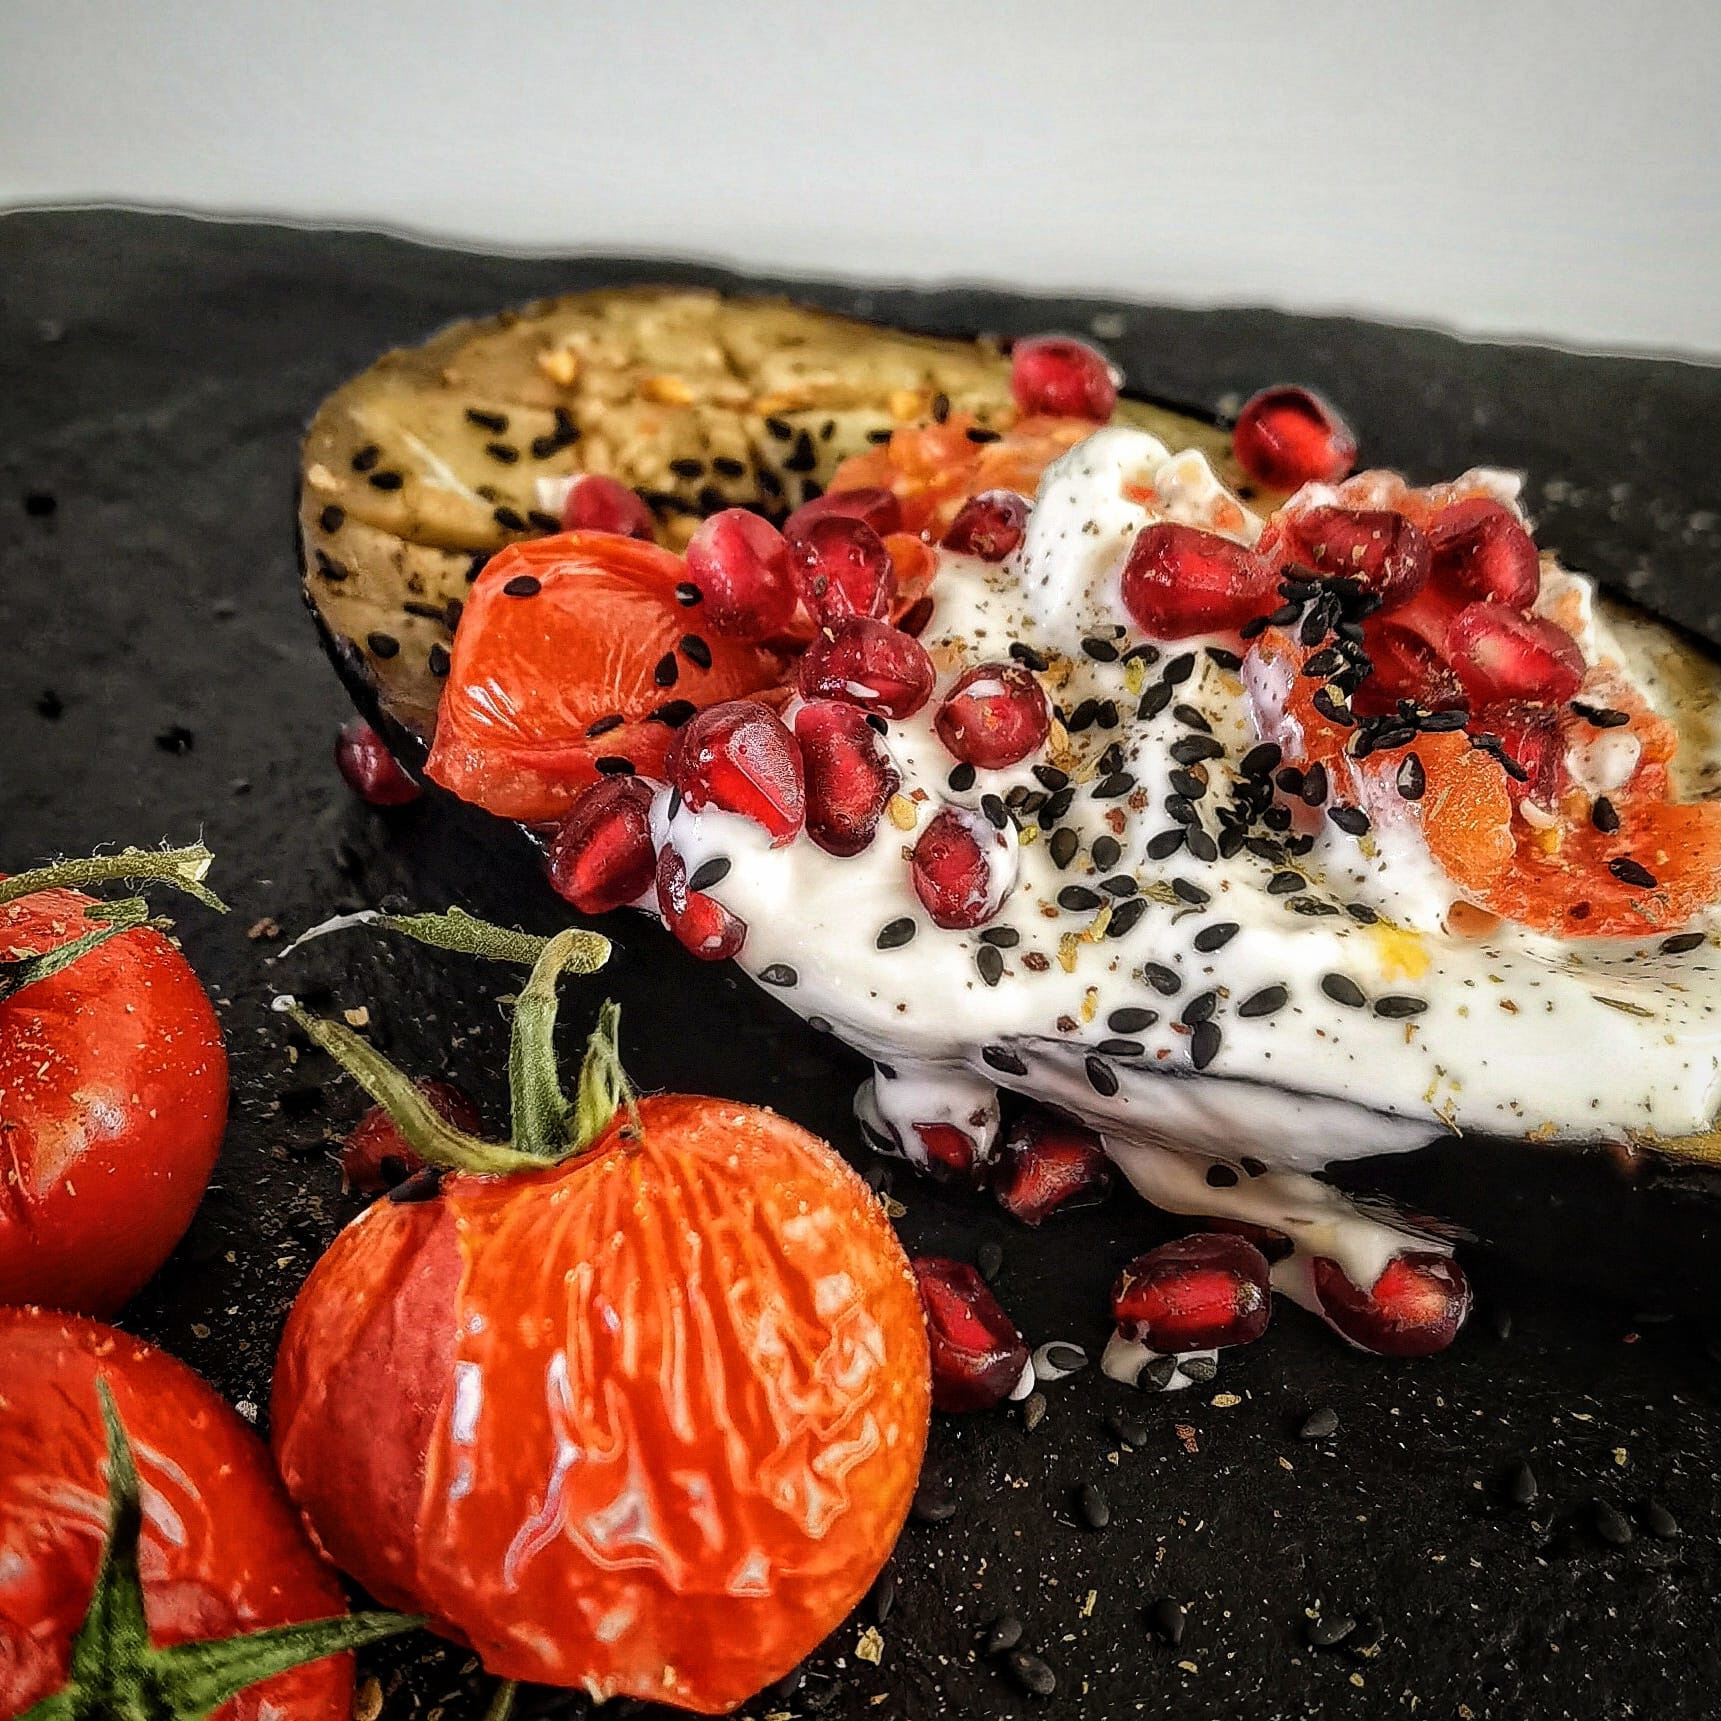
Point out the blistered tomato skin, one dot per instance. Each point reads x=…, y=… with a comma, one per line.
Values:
x=222, y=1548
x=718, y=1321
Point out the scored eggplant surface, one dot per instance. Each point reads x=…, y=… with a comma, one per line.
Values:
x=1440, y=1547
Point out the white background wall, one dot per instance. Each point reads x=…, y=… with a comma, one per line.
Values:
x=1503, y=166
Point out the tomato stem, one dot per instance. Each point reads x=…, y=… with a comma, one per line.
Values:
x=544, y=1124
x=603, y=1086
x=501, y=1705
x=123, y=916
x=116, y=1672
x=466, y=933
x=183, y=868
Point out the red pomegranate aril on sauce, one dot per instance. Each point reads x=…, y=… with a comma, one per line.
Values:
x=1383, y=550
x=1480, y=548
x=1414, y=1308
x=1201, y=1292
x=375, y=1156
x=849, y=776
x=1288, y=436
x=951, y=874
x=740, y=564
x=841, y=568
x=1403, y=665
x=1274, y=1245
x=989, y=525
x=978, y=1356
x=876, y=507
x=1065, y=378
x=1530, y=734
x=1179, y=581
x=996, y=715
x=1050, y=1165
x=950, y=1152
x=1502, y=655
x=370, y=770
x=867, y=663
x=601, y=855
x=741, y=757
x=595, y=503
x=701, y=922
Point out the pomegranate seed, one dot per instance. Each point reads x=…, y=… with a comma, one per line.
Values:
x=989, y=525
x=1056, y=375
x=1415, y=1307
x=741, y=566
x=1288, y=436
x=701, y=922
x=375, y=1155
x=1048, y=1165
x=1482, y=550
x=595, y=503
x=1202, y=1292
x=1502, y=655
x=849, y=776
x=1275, y=1245
x=870, y=664
x=977, y=1355
x=876, y=507
x=1531, y=735
x=370, y=769
x=740, y=756
x=1180, y=581
x=1374, y=545
x=949, y=1151
x=996, y=715
x=951, y=876
x=1404, y=666
x=841, y=568
x=601, y=857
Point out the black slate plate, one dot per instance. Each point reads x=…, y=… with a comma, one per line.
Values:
x=157, y=372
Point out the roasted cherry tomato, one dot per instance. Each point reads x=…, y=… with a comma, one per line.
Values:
x=113, y=1098
x=640, y=1412
x=577, y=656
x=220, y=1550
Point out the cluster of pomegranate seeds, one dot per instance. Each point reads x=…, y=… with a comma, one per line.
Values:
x=1179, y=581
x=978, y=1357
x=841, y=568
x=1479, y=547
x=601, y=856
x=741, y=757
x=1049, y=1165
x=701, y=922
x=1202, y=1292
x=1063, y=378
x=1500, y=653
x=740, y=564
x=870, y=504
x=995, y=715
x=849, y=775
x=375, y=1155
x=950, y=871
x=595, y=503
x=370, y=770
x=1414, y=1308
x=1287, y=436
x=990, y=525
x=869, y=663
x=950, y=1152
x=1377, y=546
x=1405, y=666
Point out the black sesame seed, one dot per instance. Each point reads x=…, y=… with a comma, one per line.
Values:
x=1361, y=913
x=1156, y=1377
x=687, y=594
x=1442, y=722
x=1231, y=841
x=1131, y=1019
x=1200, y=1008
x=544, y=446
x=685, y=466
x=1216, y=936
x=1181, y=808
x=332, y=517
x=961, y=777
x=1031, y=1673
x=1063, y=846
x=1611, y=1524
x=1314, y=789
x=1029, y=659
x=1121, y=1048
x=1330, y=1630
x=1083, y=716
x=895, y=933
x=1601, y=716
x=508, y=519
x=1100, y=650
x=1284, y=883
x=495, y=422
x=990, y=962
x=1396, y=1006
x=439, y=660
x=1006, y=1633
x=1604, y=816
x=940, y=407
x=1153, y=701
x=1107, y=852
x=1260, y=760
x=1320, y=1424
x=673, y=713
x=614, y=766
x=1191, y=892
x=383, y=645
x=1192, y=717
x=1165, y=844
x=710, y=872
x=1125, y=916
x=1058, y=805
x=1119, y=885
x=1353, y=821
x=1095, y=1507
x=1078, y=899
x=1130, y=1431
x=1658, y=1521
x=1165, y=981
x=1277, y=818
x=1168, y=1618
x=1005, y=937
x=1680, y=942
x=1143, y=653
x=1633, y=872
x=385, y=481
x=1111, y=759
x=604, y=725
x=695, y=650
x=1002, y=1058
x=1050, y=777
x=1223, y=658
x=1202, y=846
x=1343, y=990
x=1222, y=1177
x=777, y=973
x=523, y=586
x=1187, y=784
x=1102, y=1078
x=1204, y=1043
x=1178, y=669
x=1290, y=779
x=933, y=1503
x=366, y=457
x=1412, y=780
x=1328, y=703
x=1267, y=1002
x=504, y=453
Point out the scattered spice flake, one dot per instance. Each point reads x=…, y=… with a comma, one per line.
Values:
x=1090, y=1003
x=359, y=1018
x=1186, y=1435
x=1225, y=1400
x=666, y=390
x=561, y=366
x=1088, y=1601
x=368, y=1704
x=267, y=927
x=871, y=1646
x=901, y=811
